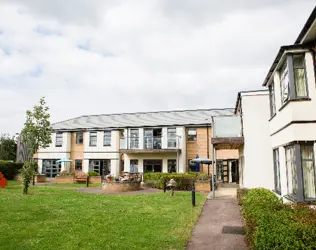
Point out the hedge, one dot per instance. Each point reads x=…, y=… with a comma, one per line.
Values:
x=273, y=225
x=10, y=169
x=184, y=181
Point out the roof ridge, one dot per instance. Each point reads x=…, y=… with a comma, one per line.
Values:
x=155, y=112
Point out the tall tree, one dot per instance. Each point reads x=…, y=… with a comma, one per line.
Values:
x=7, y=148
x=35, y=134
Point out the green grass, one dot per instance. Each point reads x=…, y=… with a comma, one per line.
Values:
x=62, y=218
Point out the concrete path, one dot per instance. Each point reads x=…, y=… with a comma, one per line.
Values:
x=218, y=215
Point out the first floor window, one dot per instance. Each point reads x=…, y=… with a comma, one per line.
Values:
x=133, y=166
x=134, y=139
x=79, y=137
x=308, y=167
x=59, y=140
x=107, y=138
x=291, y=169
x=93, y=138
x=299, y=75
x=284, y=82
x=276, y=164
x=172, y=138
x=78, y=164
x=272, y=100
x=172, y=166
x=192, y=134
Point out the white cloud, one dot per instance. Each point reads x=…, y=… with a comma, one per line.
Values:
x=90, y=57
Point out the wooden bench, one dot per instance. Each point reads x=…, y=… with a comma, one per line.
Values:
x=81, y=178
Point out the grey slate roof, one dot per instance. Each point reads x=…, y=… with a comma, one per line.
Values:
x=143, y=119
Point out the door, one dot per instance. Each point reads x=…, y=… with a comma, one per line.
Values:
x=148, y=138
x=51, y=168
x=152, y=166
x=235, y=171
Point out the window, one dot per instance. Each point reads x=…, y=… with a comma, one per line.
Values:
x=172, y=166
x=59, y=140
x=308, y=167
x=276, y=164
x=291, y=170
x=299, y=75
x=134, y=143
x=78, y=164
x=192, y=134
x=93, y=139
x=79, y=137
x=293, y=78
x=51, y=168
x=107, y=138
x=272, y=99
x=133, y=166
x=172, y=138
x=284, y=80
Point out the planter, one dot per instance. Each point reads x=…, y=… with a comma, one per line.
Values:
x=94, y=179
x=121, y=186
x=40, y=178
x=64, y=179
x=205, y=186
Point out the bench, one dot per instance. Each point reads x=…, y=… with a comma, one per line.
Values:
x=81, y=178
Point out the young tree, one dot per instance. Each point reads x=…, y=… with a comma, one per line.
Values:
x=7, y=148
x=36, y=133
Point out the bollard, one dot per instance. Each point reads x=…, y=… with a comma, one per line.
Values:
x=193, y=195
x=88, y=181
x=164, y=185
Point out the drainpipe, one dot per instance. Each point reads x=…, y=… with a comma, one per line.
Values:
x=213, y=162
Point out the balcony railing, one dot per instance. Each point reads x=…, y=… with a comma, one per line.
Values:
x=148, y=142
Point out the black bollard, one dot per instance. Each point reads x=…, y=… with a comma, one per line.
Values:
x=164, y=185
x=88, y=181
x=193, y=195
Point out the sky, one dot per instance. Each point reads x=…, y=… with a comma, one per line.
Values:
x=110, y=56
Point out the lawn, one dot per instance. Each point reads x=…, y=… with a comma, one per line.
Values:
x=62, y=218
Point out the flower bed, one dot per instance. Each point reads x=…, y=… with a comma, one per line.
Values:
x=273, y=225
x=117, y=186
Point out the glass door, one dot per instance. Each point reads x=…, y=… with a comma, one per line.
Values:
x=148, y=138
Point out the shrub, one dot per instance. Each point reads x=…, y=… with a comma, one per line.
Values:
x=241, y=193
x=10, y=169
x=67, y=173
x=184, y=181
x=92, y=173
x=272, y=225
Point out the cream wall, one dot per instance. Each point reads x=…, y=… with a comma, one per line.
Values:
x=257, y=151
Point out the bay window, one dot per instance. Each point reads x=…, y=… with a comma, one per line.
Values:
x=293, y=82
x=300, y=168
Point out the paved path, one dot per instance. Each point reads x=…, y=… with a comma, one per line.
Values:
x=217, y=214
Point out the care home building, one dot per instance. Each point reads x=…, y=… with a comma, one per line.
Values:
x=292, y=89
x=134, y=142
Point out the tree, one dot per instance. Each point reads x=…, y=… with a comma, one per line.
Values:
x=37, y=131
x=7, y=148
x=27, y=173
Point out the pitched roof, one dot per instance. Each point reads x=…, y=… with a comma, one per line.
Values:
x=143, y=119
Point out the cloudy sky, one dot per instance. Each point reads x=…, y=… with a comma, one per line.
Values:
x=103, y=56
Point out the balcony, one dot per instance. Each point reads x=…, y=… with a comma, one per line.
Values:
x=148, y=144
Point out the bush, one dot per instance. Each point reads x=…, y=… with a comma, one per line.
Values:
x=28, y=172
x=273, y=225
x=241, y=193
x=92, y=173
x=10, y=169
x=67, y=173
x=184, y=181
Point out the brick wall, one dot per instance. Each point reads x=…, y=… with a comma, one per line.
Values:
x=76, y=152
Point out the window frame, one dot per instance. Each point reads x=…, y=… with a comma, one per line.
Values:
x=79, y=140
x=59, y=139
x=172, y=137
x=276, y=167
x=172, y=163
x=288, y=65
x=272, y=99
x=194, y=139
x=308, y=160
x=95, y=134
x=105, y=142
x=77, y=161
